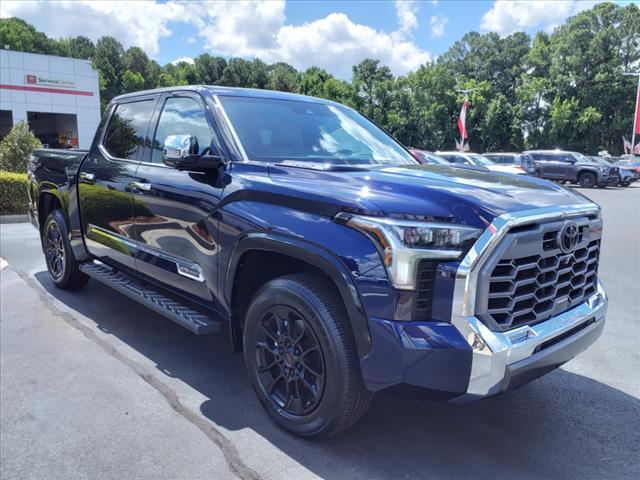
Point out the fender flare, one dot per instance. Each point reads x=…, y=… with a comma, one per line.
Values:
x=43, y=192
x=318, y=257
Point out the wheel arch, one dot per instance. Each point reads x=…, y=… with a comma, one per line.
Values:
x=582, y=171
x=298, y=255
x=48, y=201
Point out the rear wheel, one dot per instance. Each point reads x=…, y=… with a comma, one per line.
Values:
x=301, y=358
x=587, y=180
x=63, y=268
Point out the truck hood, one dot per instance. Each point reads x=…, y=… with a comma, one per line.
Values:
x=464, y=196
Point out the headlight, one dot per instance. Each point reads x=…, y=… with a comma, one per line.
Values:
x=403, y=243
x=603, y=169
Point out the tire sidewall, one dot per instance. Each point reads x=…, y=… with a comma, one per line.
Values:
x=582, y=178
x=335, y=362
x=57, y=218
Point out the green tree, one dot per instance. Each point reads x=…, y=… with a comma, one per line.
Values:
x=283, y=77
x=312, y=81
x=16, y=34
x=136, y=61
x=16, y=148
x=562, y=123
x=132, y=82
x=108, y=60
x=237, y=73
x=77, y=47
x=366, y=75
x=209, y=69
x=498, y=132
x=588, y=56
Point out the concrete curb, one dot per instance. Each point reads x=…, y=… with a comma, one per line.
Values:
x=14, y=218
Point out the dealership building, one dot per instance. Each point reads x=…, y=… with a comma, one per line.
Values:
x=58, y=97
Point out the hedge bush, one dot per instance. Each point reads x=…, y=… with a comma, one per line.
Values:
x=13, y=193
x=16, y=148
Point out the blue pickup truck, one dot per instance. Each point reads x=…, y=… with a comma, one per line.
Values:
x=335, y=262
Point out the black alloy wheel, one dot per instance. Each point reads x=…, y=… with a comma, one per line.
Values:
x=63, y=267
x=289, y=361
x=54, y=251
x=587, y=180
x=301, y=357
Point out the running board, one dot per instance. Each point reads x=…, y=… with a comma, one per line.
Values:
x=190, y=319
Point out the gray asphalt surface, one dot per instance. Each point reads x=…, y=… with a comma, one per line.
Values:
x=92, y=385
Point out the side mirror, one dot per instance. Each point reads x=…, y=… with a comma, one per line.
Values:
x=178, y=149
x=181, y=152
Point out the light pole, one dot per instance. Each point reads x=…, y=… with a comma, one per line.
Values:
x=635, y=112
x=466, y=92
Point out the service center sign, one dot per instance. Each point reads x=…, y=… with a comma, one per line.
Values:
x=48, y=81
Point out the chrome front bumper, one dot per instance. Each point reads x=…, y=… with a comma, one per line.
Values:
x=499, y=356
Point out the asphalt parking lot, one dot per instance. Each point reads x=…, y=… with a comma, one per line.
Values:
x=95, y=386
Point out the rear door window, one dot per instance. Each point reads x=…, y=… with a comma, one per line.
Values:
x=126, y=134
x=545, y=156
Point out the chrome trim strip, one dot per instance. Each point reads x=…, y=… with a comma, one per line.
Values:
x=493, y=351
x=184, y=268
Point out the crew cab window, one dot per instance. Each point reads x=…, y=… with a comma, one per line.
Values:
x=127, y=130
x=547, y=157
x=181, y=116
x=501, y=158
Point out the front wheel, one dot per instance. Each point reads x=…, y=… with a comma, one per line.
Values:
x=587, y=180
x=301, y=357
x=63, y=268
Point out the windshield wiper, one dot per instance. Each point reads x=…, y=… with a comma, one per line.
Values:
x=325, y=166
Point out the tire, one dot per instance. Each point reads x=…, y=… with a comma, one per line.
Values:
x=63, y=268
x=587, y=180
x=310, y=405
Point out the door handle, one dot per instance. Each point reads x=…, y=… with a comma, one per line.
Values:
x=142, y=186
x=87, y=177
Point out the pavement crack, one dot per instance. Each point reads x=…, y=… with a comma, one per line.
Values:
x=229, y=451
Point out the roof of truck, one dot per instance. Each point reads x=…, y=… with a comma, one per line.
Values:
x=209, y=90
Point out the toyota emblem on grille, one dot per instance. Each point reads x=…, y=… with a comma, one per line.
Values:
x=568, y=237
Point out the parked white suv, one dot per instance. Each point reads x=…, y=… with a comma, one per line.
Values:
x=466, y=158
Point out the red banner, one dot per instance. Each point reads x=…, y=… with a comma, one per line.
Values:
x=637, y=122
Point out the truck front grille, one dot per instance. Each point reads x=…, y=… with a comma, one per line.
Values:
x=534, y=279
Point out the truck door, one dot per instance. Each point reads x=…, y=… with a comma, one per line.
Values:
x=105, y=177
x=566, y=169
x=175, y=228
x=549, y=165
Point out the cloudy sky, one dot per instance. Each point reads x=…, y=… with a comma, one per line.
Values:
x=331, y=34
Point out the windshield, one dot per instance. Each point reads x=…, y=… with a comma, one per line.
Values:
x=479, y=160
x=430, y=158
x=583, y=158
x=278, y=130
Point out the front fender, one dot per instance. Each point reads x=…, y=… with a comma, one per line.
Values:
x=319, y=258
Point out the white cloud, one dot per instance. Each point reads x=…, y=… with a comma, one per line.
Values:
x=183, y=59
x=506, y=17
x=132, y=23
x=335, y=42
x=437, y=24
x=191, y=40
x=234, y=29
x=406, y=12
